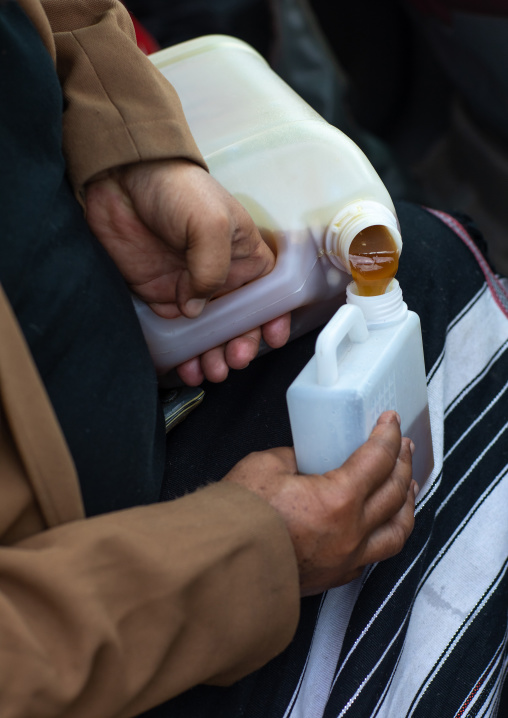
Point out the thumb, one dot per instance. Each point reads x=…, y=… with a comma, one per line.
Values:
x=207, y=256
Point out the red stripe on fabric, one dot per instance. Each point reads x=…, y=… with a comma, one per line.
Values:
x=470, y=697
x=495, y=286
x=476, y=688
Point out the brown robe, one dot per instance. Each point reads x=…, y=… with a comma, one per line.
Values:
x=111, y=615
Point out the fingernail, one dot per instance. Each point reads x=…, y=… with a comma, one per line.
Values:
x=416, y=489
x=411, y=447
x=388, y=416
x=194, y=307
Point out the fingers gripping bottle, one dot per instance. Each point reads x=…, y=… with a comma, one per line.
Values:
x=369, y=359
x=309, y=189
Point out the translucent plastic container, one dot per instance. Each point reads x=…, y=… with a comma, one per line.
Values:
x=369, y=359
x=307, y=186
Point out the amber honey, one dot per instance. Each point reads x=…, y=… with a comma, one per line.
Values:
x=374, y=260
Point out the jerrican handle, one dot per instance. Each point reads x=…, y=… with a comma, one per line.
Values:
x=348, y=320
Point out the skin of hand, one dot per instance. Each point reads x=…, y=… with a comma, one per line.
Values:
x=341, y=521
x=179, y=239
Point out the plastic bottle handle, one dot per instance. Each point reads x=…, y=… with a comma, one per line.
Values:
x=349, y=320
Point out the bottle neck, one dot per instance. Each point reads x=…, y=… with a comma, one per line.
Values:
x=381, y=310
x=350, y=221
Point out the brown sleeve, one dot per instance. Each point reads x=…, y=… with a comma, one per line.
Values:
x=111, y=615
x=107, y=616
x=118, y=107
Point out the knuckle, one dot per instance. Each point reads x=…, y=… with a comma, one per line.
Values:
x=402, y=531
x=396, y=543
x=387, y=451
x=219, y=222
x=400, y=538
x=344, y=508
x=351, y=545
x=208, y=279
x=266, y=461
x=401, y=489
x=400, y=482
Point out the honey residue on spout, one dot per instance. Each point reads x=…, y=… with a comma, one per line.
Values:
x=374, y=260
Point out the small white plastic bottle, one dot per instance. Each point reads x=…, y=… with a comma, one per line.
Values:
x=306, y=185
x=369, y=359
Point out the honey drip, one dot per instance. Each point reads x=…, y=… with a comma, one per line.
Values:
x=374, y=260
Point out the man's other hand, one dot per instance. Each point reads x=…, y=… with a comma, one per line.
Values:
x=358, y=514
x=179, y=239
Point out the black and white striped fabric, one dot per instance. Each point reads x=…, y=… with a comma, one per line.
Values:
x=428, y=630
x=423, y=634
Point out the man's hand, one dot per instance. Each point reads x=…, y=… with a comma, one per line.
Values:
x=341, y=521
x=179, y=238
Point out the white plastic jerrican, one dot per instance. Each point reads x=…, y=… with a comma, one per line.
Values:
x=303, y=181
x=369, y=359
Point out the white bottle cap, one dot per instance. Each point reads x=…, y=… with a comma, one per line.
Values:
x=350, y=221
x=382, y=309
